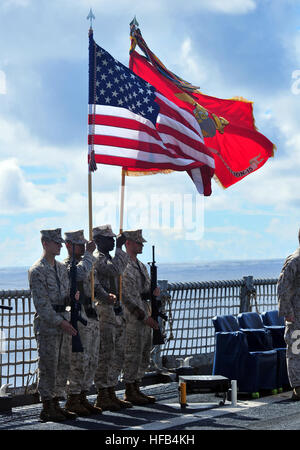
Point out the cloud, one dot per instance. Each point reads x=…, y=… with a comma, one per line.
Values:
x=7, y=4
x=284, y=228
x=17, y=195
x=195, y=66
x=230, y=6
x=23, y=247
x=228, y=230
x=227, y=7
x=28, y=150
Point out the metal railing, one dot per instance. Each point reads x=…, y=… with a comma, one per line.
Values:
x=192, y=305
x=18, y=344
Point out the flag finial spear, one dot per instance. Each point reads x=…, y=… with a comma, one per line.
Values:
x=134, y=25
x=91, y=17
x=134, y=22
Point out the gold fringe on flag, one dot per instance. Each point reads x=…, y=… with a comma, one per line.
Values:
x=138, y=173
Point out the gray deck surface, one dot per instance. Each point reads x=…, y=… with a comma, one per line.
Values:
x=273, y=412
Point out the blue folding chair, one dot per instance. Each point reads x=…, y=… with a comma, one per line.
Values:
x=275, y=324
x=258, y=337
x=272, y=318
x=261, y=337
x=253, y=371
x=225, y=323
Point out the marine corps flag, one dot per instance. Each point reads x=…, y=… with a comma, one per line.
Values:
x=227, y=125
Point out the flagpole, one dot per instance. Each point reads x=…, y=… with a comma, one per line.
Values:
x=122, y=199
x=91, y=17
x=121, y=221
x=90, y=199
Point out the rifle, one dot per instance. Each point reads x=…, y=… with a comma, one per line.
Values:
x=158, y=338
x=75, y=306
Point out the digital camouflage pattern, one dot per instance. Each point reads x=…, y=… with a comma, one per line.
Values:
x=108, y=270
x=288, y=290
x=52, y=235
x=135, y=236
x=135, y=285
x=54, y=363
x=76, y=237
x=112, y=327
x=50, y=286
x=136, y=288
x=138, y=346
x=84, y=364
x=288, y=286
x=103, y=230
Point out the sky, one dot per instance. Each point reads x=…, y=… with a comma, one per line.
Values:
x=248, y=48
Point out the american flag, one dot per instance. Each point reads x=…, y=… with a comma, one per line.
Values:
x=133, y=125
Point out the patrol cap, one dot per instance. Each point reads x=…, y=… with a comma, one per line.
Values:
x=52, y=235
x=134, y=235
x=103, y=230
x=76, y=237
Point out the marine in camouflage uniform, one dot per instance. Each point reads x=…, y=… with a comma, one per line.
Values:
x=288, y=290
x=112, y=322
x=83, y=364
x=50, y=288
x=139, y=323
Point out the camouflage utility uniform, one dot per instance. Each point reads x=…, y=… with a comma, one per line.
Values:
x=111, y=320
x=50, y=288
x=112, y=325
x=50, y=292
x=288, y=289
x=136, y=288
x=83, y=364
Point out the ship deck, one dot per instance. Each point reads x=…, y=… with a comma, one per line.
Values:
x=269, y=412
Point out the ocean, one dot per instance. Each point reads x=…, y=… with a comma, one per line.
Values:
x=17, y=278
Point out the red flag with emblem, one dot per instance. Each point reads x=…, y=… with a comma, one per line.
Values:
x=227, y=125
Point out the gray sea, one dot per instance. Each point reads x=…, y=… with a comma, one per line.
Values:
x=17, y=278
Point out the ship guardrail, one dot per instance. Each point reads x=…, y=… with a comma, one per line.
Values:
x=191, y=307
